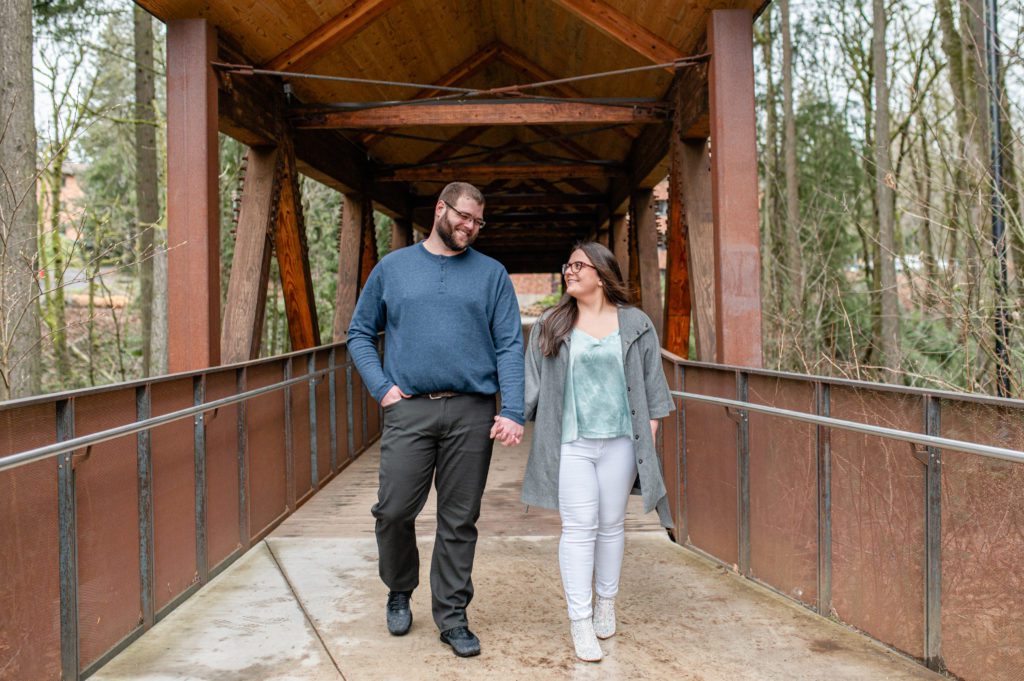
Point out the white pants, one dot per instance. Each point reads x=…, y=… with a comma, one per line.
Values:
x=594, y=480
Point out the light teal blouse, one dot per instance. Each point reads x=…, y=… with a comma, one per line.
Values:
x=595, y=403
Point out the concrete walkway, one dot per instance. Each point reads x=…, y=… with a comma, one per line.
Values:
x=307, y=604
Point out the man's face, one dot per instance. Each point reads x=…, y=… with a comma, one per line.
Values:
x=458, y=225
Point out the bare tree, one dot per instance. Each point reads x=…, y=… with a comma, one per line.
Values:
x=794, y=263
x=146, y=199
x=19, y=312
x=885, y=183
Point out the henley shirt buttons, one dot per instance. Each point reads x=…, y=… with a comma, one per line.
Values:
x=634, y=412
x=637, y=437
x=641, y=460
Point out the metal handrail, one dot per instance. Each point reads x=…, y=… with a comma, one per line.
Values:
x=57, y=448
x=1012, y=455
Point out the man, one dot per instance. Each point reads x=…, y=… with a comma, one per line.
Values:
x=452, y=339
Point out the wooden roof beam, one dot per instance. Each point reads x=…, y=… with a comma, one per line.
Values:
x=468, y=67
x=617, y=25
x=499, y=171
x=494, y=112
x=335, y=32
x=251, y=110
x=528, y=200
x=647, y=160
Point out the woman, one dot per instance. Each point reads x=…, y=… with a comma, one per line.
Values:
x=595, y=386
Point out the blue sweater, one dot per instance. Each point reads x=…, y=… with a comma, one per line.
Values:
x=449, y=322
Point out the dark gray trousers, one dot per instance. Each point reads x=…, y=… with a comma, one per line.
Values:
x=447, y=440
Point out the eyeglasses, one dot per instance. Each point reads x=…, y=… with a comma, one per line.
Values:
x=575, y=267
x=466, y=216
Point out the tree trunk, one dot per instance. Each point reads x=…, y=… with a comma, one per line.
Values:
x=158, y=358
x=57, y=313
x=774, y=243
x=794, y=265
x=923, y=171
x=146, y=201
x=19, y=311
x=889, y=340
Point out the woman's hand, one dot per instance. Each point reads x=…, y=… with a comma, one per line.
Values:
x=654, y=430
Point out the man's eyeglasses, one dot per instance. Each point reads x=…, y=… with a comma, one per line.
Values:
x=575, y=267
x=466, y=216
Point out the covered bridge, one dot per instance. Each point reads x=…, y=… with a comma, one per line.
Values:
x=167, y=507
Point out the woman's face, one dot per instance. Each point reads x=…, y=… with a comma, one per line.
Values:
x=585, y=281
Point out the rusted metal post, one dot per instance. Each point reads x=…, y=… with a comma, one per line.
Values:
x=193, y=236
x=734, y=189
x=933, y=540
x=823, y=454
x=199, y=432
x=143, y=402
x=67, y=513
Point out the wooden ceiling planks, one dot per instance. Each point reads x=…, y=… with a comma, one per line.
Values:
x=623, y=29
x=330, y=35
x=472, y=43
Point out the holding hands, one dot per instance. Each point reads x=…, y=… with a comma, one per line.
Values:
x=506, y=431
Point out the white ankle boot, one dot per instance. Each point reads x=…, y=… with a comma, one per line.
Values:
x=585, y=641
x=604, y=617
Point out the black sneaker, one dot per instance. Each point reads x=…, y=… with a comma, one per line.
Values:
x=462, y=641
x=399, y=613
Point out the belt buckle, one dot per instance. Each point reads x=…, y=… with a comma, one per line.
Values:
x=440, y=394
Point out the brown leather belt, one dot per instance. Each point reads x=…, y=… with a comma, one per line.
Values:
x=441, y=393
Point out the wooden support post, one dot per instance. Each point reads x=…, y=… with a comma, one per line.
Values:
x=734, y=189
x=293, y=259
x=349, y=250
x=618, y=235
x=700, y=224
x=644, y=232
x=250, y=268
x=401, y=233
x=193, y=234
x=368, y=256
x=677, y=274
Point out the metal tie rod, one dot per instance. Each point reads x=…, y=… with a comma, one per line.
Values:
x=1012, y=455
x=40, y=453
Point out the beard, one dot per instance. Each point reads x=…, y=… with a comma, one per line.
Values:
x=450, y=234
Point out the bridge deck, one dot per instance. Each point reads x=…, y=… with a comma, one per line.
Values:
x=306, y=603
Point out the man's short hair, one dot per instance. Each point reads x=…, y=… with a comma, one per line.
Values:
x=456, y=190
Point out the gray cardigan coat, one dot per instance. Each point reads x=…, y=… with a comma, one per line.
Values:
x=647, y=393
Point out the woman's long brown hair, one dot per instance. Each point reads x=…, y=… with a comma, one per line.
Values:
x=558, y=323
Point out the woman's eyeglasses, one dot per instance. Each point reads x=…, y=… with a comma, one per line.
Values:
x=575, y=267
x=467, y=217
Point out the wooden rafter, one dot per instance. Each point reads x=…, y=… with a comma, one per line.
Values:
x=495, y=112
x=454, y=145
x=532, y=218
x=500, y=171
x=351, y=21
x=617, y=25
x=538, y=74
x=242, y=327
x=459, y=73
x=293, y=259
x=530, y=200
